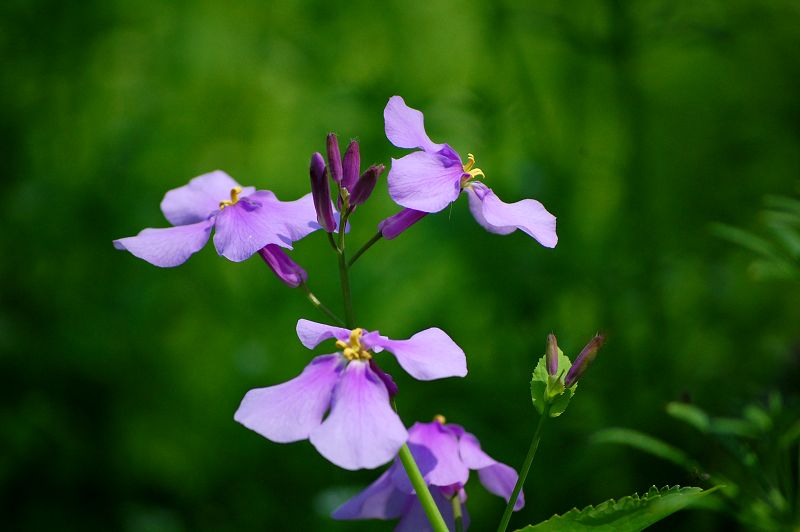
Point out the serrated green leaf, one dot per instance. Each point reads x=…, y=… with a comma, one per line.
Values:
x=539, y=386
x=629, y=514
x=643, y=442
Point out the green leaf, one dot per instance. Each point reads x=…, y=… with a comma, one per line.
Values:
x=690, y=414
x=629, y=514
x=643, y=442
x=549, y=390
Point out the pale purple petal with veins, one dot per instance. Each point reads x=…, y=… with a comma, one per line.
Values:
x=200, y=198
x=312, y=333
x=362, y=430
x=405, y=127
x=291, y=411
x=425, y=182
x=428, y=355
x=380, y=500
x=497, y=478
x=170, y=246
x=295, y=219
x=447, y=467
x=502, y=218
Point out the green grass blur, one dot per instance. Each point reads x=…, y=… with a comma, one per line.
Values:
x=640, y=125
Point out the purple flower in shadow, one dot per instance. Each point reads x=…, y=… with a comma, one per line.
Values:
x=245, y=221
x=445, y=454
x=361, y=430
x=429, y=180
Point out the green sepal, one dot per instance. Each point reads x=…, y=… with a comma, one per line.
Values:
x=549, y=390
x=628, y=514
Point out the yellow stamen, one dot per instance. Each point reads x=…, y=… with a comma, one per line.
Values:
x=439, y=419
x=352, y=349
x=235, y=191
x=468, y=168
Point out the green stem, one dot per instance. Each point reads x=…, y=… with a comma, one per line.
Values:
x=364, y=248
x=523, y=474
x=457, y=517
x=317, y=303
x=424, y=496
x=344, y=276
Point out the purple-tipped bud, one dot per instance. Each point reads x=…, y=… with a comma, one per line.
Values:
x=387, y=380
x=334, y=158
x=366, y=184
x=285, y=268
x=552, y=355
x=583, y=361
x=321, y=192
x=394, y=225
x=352, y=166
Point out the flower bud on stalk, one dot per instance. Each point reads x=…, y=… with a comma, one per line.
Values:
x=552, y=355
x=365, y=185
x=285, y=268
x=584, y=360
x=321, y=192
x=392, y=226
x=334, y=158
x=352, y=166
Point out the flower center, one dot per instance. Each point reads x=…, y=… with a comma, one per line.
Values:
x=352, y=349
x=440, y=419
x=235, y=191
x=470, y=172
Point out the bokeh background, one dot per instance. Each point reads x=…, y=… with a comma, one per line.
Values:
x=641, y=125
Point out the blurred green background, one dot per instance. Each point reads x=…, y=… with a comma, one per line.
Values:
x=639, y=125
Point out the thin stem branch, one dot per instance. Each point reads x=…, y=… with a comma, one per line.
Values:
x=317, y=303
x=344, y=276
x=523, y=474
x=423, y=494
x=364, y=248
x=457, y=517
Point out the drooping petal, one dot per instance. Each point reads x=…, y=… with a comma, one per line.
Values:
x=362, y=430
x=291, y=411
x=170, y=246
x=496, y=216
x=394, y=225
x=287, y=270
x=405, y=127
x=445, y=468
x=312, y=333
x=380, y=500
x=500, y=479
x=471, y=453
x=429, y=354
x=424, y=182
x=198, y=199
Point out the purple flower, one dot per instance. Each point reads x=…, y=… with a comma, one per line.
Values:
x=431, y=179
x=246, y=220
x=361, y=429
x=445, y=454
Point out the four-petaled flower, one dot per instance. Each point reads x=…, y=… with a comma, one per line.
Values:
x=361, y=430
x=445, y=454
x=427, y=181
x=246, y=220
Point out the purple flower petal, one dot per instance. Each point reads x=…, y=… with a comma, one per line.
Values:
x=287, y=270
x=471, y=453
x=414, y=519
x=291, y=411
x=362, y=430
x=502, y=218
x=500, y=479
x=295, y=220
x=170, y=246
x=311, y=333
x=435, y=449
x=394, y=225
x=200, y=198
x=405, y=127
x=424, y=182
x=428, y=355
x=380, y=500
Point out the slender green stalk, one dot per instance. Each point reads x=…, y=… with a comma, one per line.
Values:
x=424, y=496
x=457, y=517
x=523, y=474
x=344, y=276
x=365, y=247
x=317, y=303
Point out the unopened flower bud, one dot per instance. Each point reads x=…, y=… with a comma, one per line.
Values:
x=321, y=193
x=366, y=184
x=352, y=166
x=285, y=268
x=334, y=158
x=392, y=226
x=552, y=355
x=387, y=380
x=583, y=361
